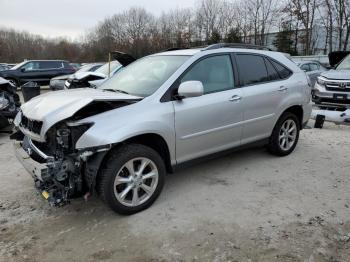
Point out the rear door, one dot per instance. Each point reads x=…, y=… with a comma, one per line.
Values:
x=211, y=122
x=50, y=69
x=263, y=91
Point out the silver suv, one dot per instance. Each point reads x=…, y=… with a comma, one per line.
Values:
x=165, y=109
x=332, y=88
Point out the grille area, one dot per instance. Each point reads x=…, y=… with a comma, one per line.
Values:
x=31, y=125
x=338, y=86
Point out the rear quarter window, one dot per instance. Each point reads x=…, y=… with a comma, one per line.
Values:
x=283, y=71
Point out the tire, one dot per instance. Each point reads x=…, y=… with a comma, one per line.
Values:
x=120, y=173
x=276, y=145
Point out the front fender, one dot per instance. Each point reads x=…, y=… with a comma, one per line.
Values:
x=121, y=124
x=95, y=137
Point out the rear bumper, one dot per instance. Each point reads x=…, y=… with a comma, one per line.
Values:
x=37, y=170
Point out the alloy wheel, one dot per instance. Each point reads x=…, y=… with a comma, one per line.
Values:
x=136, y=181
x=287, y=134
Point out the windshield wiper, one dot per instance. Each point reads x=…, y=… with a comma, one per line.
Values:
x=121, y=91
x=116, y=90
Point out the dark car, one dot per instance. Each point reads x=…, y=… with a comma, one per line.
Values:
x=39, y=71
x=57, y=83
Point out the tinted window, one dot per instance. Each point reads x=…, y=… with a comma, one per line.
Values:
x=314, y=67
x=215, y=73
x=50, y=65
x=271, y=71
x=252, y=69
x=282, y=71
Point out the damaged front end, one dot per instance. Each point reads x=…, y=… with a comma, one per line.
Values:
x=59, y=171
x=49, y=128
x=9, y=103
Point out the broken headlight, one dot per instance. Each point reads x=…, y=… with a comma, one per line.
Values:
x=77, y=130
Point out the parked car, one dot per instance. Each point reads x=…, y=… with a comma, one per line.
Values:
x=161, y=111
x=332, y=88
x=95, y=79
x=313, y=69
x=40, y=71
x=4, y=67
x=57, y=83
x=76, y=66
x=9, y=104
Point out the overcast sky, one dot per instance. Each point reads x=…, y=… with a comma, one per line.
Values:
x=53, y=18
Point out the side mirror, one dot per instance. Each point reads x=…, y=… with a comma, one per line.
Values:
x=190, y=89
x=23, y=69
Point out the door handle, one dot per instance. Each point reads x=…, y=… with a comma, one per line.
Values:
x=235, y=98
x=282, y=88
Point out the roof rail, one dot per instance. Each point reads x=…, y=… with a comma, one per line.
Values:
x=237, y=45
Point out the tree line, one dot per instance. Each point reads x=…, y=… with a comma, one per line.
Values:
x=136, y=31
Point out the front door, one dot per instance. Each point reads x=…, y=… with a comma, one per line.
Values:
x=211, y=122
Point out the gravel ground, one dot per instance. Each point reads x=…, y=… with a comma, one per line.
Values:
x=246, y=206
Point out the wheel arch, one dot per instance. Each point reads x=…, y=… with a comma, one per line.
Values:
x=298, y=111
x=152, y=140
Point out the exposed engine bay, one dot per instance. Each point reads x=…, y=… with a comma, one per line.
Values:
x=9, y=103
x=60, y=171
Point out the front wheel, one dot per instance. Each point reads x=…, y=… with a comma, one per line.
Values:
x=285, y=135
x=131, y=178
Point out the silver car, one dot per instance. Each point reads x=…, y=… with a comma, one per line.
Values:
x=161, y=111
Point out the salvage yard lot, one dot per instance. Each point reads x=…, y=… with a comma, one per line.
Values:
x=246, y=206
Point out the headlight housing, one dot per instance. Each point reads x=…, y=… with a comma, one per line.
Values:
x=321, y=81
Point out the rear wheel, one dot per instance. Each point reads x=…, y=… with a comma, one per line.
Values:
x=285, y=135
x=131, y=178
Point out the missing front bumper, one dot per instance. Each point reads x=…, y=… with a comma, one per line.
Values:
x=37, y=170
x=45, y=183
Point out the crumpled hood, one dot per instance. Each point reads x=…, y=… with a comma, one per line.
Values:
x=82, y=75
x=337, y=74
x=52, y=107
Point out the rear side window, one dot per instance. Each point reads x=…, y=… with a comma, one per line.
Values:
x=51, y=64
x=271, y=71
x=282, y=70
x=215, y=73
x=252, y=69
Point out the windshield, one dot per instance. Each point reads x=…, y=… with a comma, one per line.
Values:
x=345, y=64
x=104, y=69
x=145, y=76
x=19, y=65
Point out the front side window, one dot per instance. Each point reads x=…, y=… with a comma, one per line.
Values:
x=30, y=66
x=314, y=67
x=345, y=64
x=252, y=69
x=215, y=73
x=305, y=67
x=144, y=76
